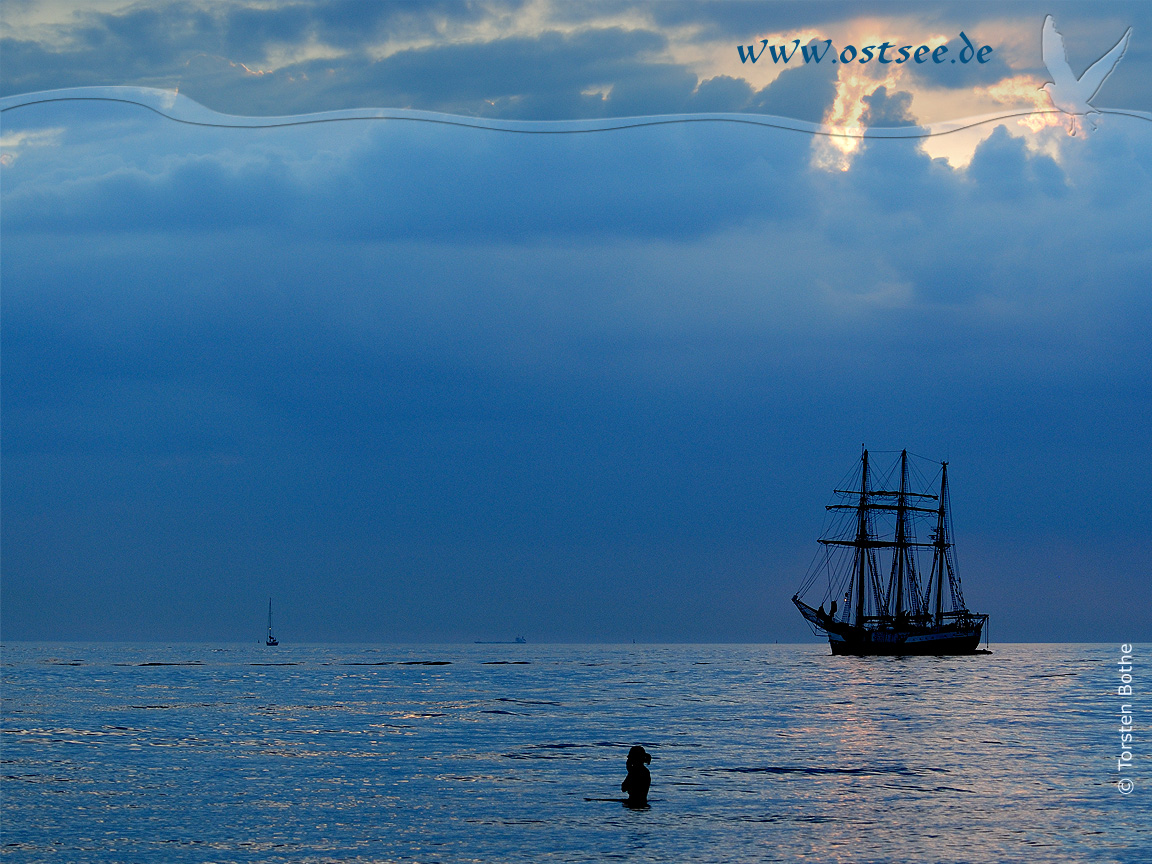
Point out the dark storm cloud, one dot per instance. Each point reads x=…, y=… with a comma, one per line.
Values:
x=157, y=43
x=805, y=93
x=1002, y=169
x=518, y=77
x=430, y=380
x=398, y=180
x=537, y=77
x=962, y=232
x=540, y=77
x=957, y=74
x=743, y=21
x=413, y=179
x=882, y=109
x=1089, y=32
x=550, y=75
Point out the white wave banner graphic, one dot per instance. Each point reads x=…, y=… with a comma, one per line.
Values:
x=181, y=109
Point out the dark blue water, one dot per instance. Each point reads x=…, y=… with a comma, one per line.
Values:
x=197, y=753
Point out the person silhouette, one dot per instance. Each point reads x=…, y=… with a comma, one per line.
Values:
x=639, y=778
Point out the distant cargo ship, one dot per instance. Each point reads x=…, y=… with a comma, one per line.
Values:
x=873, y=533
x=519, y=640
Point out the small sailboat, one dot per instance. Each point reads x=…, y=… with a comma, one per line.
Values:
x=272, y=640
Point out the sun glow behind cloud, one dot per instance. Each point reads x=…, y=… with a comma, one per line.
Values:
x=833, y=153
x=526, y=341
x=241, y=69
x=1040, y=127
x=1024, y=90
x=856, y=82
x=931, y=103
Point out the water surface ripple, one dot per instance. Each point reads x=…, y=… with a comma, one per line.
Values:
x=199, y=753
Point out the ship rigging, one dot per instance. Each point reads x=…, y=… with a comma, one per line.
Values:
x=871, y=558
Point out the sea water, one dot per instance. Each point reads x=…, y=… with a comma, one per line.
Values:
x=455, y=753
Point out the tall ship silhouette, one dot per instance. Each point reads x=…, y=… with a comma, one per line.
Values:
x=881, y=599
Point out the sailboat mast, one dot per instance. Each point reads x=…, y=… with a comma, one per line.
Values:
x=269, y=617
x=862, y=541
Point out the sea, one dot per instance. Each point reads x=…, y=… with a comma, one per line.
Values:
x=516, y=752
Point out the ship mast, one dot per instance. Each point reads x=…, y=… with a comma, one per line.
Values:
x=862, y=541
x=915, y=622
x=941, y=544
x=901, y=539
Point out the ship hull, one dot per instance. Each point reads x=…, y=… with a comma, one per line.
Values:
x=906, y=643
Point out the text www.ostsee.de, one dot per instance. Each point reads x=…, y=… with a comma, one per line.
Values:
x=812, y=53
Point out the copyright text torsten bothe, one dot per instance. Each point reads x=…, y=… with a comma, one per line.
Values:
x=1125, y=762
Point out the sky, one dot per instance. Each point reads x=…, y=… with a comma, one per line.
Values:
x=445, y=381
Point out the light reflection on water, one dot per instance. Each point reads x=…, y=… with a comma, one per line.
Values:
x=488, y=752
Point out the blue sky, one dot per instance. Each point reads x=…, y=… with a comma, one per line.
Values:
x=429, y=382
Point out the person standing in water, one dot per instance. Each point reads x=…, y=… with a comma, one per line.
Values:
x=639, y=778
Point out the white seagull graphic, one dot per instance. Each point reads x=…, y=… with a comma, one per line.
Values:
x=1070, y=94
